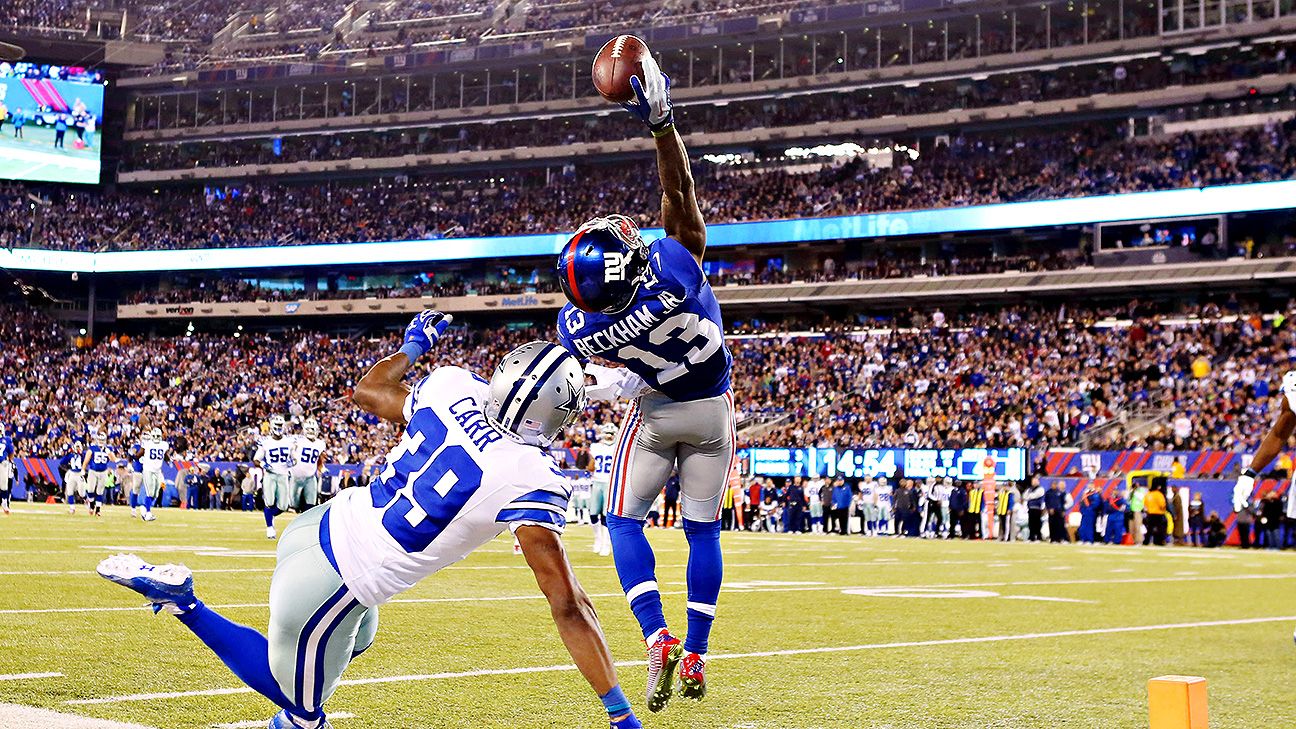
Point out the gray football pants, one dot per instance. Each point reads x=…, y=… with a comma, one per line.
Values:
x=660, y=435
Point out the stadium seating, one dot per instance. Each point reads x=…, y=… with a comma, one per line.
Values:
x=1037, y=377
x=971, y=170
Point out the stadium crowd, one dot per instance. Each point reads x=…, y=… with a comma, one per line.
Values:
x=1035, y=377
x=216, y=107
x=966, y=171
x=1003, y=89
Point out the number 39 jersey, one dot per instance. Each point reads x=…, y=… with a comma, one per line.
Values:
x=452, y=484
x=671, y=335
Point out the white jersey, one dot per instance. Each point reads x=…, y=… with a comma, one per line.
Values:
x=306, y=454
x=153, y=454
x=601, y=457
x=275, y=454
x=452, y=484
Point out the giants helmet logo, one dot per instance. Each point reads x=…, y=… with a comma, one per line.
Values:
x=614, y=266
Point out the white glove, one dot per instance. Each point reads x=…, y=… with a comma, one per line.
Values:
x=1242, y=491
x=611, y=383
x=652, y=102
x=1289, y=389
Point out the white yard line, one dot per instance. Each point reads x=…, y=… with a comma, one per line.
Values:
x=1042, y=598
x=23, y=676
x=727, y=590
x=13, y=716
x=260, y=723
x=718, y=656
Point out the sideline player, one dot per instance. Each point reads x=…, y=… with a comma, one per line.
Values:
x=153, y=453
x=473, y=462
x=6, y=468
x=274, y=455
x=98, y=459
x=74, y=483
x=308, y=466
x=602, y=453
x=650, y=308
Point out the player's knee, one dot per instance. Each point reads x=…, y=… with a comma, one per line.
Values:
x=701, y=529
x=623, y=524
x=366, y=633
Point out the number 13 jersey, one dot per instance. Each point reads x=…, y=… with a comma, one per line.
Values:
x=452, y=484
x=671, y=334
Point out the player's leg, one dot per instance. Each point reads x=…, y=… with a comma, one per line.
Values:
x=640, y=468
x=6, y=479
x=598, y=517
x=309, y=649
x=132, y=499
x=309, y=487
x=278, y=495
x=95, y=482
x=315, y=623
x=150, y=488
x=705, y=462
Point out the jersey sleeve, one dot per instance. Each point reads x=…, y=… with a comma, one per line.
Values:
x=544, y=506
x=677, y=264
x=439, y=381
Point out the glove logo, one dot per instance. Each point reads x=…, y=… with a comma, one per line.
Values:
x=614, y=266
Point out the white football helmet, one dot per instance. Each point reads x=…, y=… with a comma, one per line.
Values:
x=276, y=425
x=608, y=433
x=537, y=390
x=155, y=434
x=310, y=428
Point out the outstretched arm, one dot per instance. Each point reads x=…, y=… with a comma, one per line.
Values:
x=573, y=614
x=1272, y=444
x=382, y=391
x=1275, y=439
x=681, y=216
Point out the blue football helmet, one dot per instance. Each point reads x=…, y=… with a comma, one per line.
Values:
x=603, y=265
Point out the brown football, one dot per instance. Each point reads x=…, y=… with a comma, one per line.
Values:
x=616, y=62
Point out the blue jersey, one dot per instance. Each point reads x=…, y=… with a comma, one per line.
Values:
x=100, y=458
x=6, y=448
x=671, y=335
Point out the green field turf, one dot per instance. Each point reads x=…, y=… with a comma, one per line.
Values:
x=1050, y=636
x=34, y=157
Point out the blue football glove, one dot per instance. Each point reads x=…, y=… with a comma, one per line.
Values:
x=629, y=721
x=423, y=332
x=653, y=105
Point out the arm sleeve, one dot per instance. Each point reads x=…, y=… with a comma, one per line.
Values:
x=678, y=264
x=546, y=506
x=438, y=379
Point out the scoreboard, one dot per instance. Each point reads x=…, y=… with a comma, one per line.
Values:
x=960, y=464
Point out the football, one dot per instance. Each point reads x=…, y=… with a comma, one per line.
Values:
x=617, y=61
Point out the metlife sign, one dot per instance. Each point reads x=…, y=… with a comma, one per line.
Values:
x=964, y=464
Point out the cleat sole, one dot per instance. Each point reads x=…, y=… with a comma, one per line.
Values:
x=666, y=685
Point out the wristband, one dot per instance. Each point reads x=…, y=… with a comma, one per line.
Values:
x=1250, y=472
x=663, y=131
x=615, y=701
x=413, y=351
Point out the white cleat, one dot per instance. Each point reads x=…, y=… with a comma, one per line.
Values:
x=270, y=532
x=71, y=509
x=133, y=514
x=148, y=516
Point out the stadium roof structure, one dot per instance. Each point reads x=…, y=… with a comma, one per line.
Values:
x=1219, y=200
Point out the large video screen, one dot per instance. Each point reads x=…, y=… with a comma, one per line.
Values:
x=51, y=119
